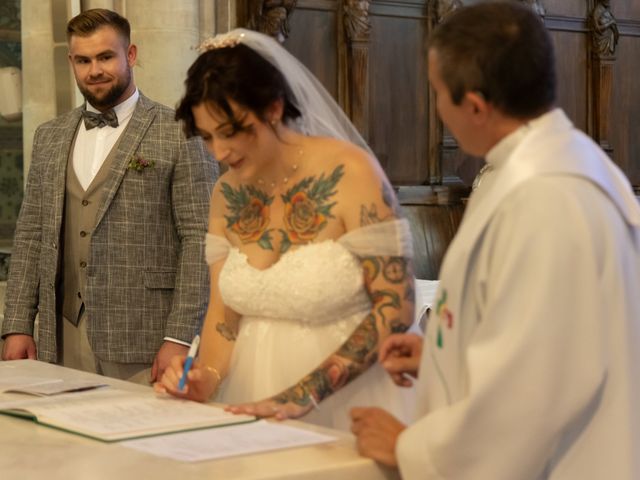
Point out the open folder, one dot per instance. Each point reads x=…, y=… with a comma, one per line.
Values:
x=111, y=415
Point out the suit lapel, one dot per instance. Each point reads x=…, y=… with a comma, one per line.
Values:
x=69, y=127
x=141, y=119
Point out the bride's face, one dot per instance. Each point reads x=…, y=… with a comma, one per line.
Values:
x=241, y=145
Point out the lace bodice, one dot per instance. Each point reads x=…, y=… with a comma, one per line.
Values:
x=317, y=282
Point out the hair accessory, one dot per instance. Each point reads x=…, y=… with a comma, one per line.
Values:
x=224, y=40
x=320, y=114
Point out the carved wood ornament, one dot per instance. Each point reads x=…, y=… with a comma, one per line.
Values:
x=271, y=17
x=536, y=6
x=446, y=7
x=604, y=29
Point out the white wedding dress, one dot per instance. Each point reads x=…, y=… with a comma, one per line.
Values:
x=299, y=311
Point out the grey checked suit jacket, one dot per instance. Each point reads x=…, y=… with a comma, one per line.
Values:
x=147, y=277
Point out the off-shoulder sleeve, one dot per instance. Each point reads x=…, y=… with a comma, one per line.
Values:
x=391, y=238
x=215, y=248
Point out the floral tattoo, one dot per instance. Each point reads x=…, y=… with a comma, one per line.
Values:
x=307, y=208
x=249, y=217
x=360, y=350
x=370, y=215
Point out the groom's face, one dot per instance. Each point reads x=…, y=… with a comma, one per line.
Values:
x=102, y=64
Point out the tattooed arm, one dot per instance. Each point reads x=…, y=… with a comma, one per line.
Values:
x=367, y=198
x=389, y=282
x=218, y=331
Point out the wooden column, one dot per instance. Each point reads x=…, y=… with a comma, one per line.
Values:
x=439, y=142
x=358, y=31
x=604, y=39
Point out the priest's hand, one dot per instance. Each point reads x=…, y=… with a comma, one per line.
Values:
x=400, y=356
x=376, y=432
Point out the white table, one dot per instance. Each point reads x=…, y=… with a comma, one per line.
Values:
x=32, y=451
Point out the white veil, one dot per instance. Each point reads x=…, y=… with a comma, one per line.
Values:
x=320, y=114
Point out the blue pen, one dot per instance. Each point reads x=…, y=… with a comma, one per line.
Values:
x=193, y=351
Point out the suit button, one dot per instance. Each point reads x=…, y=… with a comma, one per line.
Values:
x=79, y=295
x=83, y=264
x=83, y=234
x=53, y=244
x=85, y=203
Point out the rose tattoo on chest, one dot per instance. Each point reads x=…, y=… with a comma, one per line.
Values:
x=307, y=208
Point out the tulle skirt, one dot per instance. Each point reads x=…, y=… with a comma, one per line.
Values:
x=271, y=355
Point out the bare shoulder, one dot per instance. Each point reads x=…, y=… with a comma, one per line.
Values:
x=330, y=153
x=220, y=191
x=364, y=194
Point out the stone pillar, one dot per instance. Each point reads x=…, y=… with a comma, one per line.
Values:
x=89, y=4
x=38, y=72
x=166, y=33
x=207, y=19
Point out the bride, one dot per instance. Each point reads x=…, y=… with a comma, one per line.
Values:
x=309, y=263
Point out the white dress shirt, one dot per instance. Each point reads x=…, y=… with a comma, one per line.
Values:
x=93, y=146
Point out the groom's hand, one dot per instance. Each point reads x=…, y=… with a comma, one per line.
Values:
x=18, y=346
x=167, y=351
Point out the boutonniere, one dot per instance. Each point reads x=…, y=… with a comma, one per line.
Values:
x=138, y=163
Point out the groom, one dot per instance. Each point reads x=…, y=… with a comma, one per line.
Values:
x=108, y=245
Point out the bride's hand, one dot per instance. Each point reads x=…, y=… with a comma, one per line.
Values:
x=292, y=403
x=202, y=381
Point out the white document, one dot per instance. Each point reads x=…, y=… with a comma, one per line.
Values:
x=45, y=386
x=111, y=414
x=196, y=446
x=18, y=384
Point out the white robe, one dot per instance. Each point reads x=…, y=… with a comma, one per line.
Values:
x=531, y=360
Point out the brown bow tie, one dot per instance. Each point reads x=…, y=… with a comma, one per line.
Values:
x=93, y=119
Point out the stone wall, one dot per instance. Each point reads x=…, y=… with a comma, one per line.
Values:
x=11, y=163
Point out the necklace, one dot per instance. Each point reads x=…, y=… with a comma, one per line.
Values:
x=285, y=179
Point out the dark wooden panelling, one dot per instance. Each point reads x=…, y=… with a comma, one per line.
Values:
x=571, y=67
x=399, y=98
x=314, y=41
x=566, y=8
x=566, y=24
x=405, y=134
x=625, y=108
x=629, y=28
x=432, y=228
x=626, y=9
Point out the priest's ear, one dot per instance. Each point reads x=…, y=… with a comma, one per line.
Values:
x=478, y=106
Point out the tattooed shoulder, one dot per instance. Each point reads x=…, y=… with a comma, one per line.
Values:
x=369, y=214
x=308, y=206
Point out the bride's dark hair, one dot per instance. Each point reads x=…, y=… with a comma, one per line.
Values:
x=238, y=74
